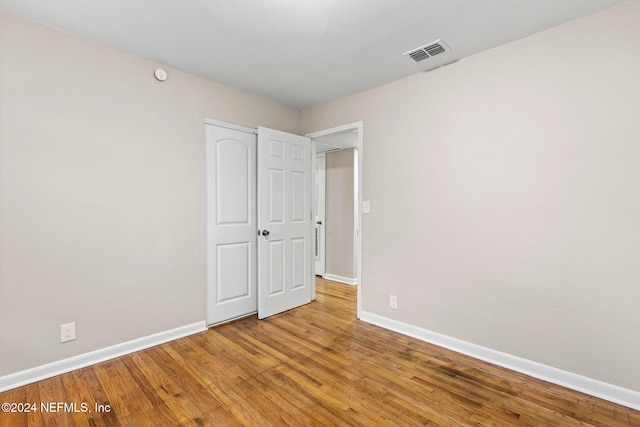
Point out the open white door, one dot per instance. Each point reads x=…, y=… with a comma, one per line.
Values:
x=284, y=221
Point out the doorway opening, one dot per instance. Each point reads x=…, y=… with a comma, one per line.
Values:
x=340, y=150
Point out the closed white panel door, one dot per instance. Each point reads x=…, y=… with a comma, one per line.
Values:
x=231, y=224
x=284, y=221
x=319, y=229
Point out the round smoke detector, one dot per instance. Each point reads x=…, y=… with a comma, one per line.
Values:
x=160, y=75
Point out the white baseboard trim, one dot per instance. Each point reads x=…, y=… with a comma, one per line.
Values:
x=340, y=279
x=52, y=369
x=593, y=387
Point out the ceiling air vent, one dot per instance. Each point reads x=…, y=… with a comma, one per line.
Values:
x=427, y=51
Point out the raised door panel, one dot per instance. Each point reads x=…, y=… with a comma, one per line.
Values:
x=233, y=198
x=233, y=266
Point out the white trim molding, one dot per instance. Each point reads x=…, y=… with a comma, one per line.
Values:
x=340, y=279
x=52, y=369
x=593, y=387
x=228, y=125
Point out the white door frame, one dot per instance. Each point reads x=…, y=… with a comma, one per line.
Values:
x=319, y=213
x=352, y=127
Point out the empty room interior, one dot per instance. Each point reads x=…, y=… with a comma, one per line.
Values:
x=164, y=259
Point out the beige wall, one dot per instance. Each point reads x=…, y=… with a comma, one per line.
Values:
x=102, y=198
x=339, y=214
x=505, y=199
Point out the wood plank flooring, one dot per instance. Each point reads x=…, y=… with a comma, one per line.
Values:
x=315, y=365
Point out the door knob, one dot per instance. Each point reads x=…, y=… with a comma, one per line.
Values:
x=265, y=233
x=319, y=222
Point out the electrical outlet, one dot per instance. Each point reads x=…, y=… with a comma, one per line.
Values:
x=68, y=332
x=393, y=302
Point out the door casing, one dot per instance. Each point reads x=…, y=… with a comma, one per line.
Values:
x=319, y=238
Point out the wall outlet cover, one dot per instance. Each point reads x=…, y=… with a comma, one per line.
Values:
x=68, y=332
x=393, y=302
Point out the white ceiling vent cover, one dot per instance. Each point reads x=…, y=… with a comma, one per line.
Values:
x=427, y=51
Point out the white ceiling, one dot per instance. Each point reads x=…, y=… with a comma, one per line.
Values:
x=336, y=141
x=301, y=52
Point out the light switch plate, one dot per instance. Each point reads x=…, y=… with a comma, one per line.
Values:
x=366, y=206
